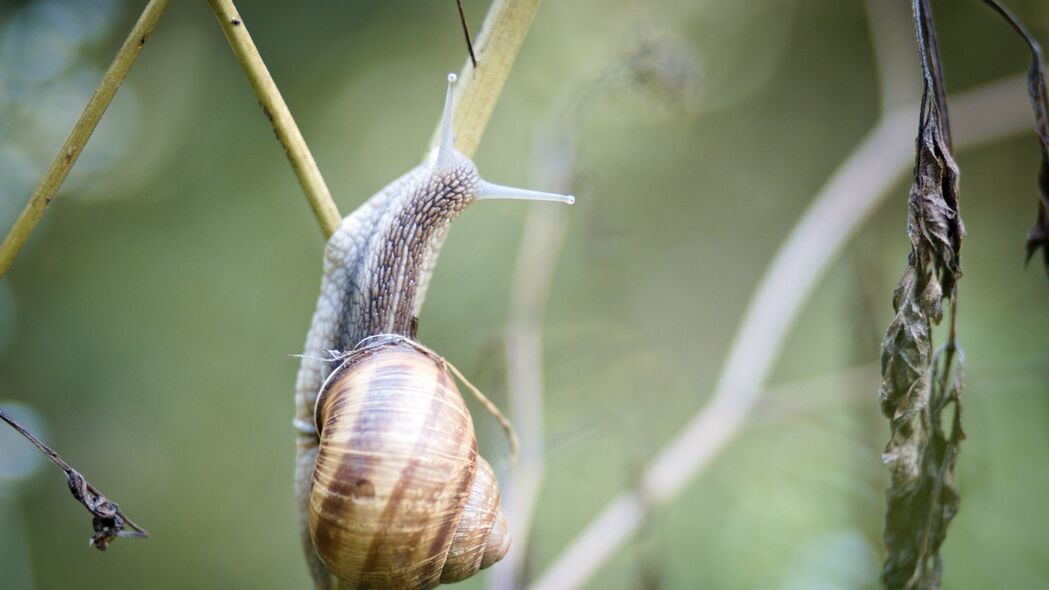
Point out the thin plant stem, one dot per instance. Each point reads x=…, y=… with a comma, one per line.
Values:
x=500, y=39
x=277, y=112
x=848, y=198
x=80, y=134
x=496, y=49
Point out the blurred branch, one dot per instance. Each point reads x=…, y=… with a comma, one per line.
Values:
x=500, y=39
x=850, y=195
x=652, y=61
x=541, y=242
x=277, y=112
x=108, y=521
x=80, y=134
x=894, y=52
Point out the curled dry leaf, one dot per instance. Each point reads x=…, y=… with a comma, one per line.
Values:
x=108, y=522
x=1039, y=235
x=922, y=497
x=918, y=385
x=1036, y=89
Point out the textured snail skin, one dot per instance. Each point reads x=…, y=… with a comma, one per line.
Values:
x=400, y=498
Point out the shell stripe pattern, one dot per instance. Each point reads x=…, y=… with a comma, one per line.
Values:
x=396, y=477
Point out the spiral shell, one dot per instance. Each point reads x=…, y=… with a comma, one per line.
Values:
x=400, y=498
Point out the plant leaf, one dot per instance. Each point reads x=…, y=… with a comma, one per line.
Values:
x=922, y=498
x=1036, y=89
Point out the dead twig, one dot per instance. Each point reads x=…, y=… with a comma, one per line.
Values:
x=466, y=32
x=108, y=521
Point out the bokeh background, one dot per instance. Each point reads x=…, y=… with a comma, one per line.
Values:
x=146, y=330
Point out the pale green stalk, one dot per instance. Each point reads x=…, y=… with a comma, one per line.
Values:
x=277, y=112
x=80, y=134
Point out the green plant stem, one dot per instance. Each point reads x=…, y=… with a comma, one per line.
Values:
x=277, y=112
x=497, y=46
x=500, y=39
x=80, y=134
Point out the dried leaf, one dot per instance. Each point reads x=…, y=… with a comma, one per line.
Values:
x=108, y=522
x=1036, y=89
x=1039, y=234
x=922, y=498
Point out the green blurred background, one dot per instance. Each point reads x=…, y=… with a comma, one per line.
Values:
x=149, y=322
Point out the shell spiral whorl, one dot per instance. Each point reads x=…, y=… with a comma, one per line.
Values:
x=400, y=497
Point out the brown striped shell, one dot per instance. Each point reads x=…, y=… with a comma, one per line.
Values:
x=400, y=498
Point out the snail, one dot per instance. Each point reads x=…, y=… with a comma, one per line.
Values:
x=390, y=489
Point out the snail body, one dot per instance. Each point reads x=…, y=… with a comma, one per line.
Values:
x=390, y=488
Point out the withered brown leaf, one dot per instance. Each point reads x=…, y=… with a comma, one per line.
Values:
x=1036, y=89
x=918, y=384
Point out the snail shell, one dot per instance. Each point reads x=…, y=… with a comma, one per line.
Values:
x=399, y=497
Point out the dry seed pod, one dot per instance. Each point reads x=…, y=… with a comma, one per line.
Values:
x=396, y=429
